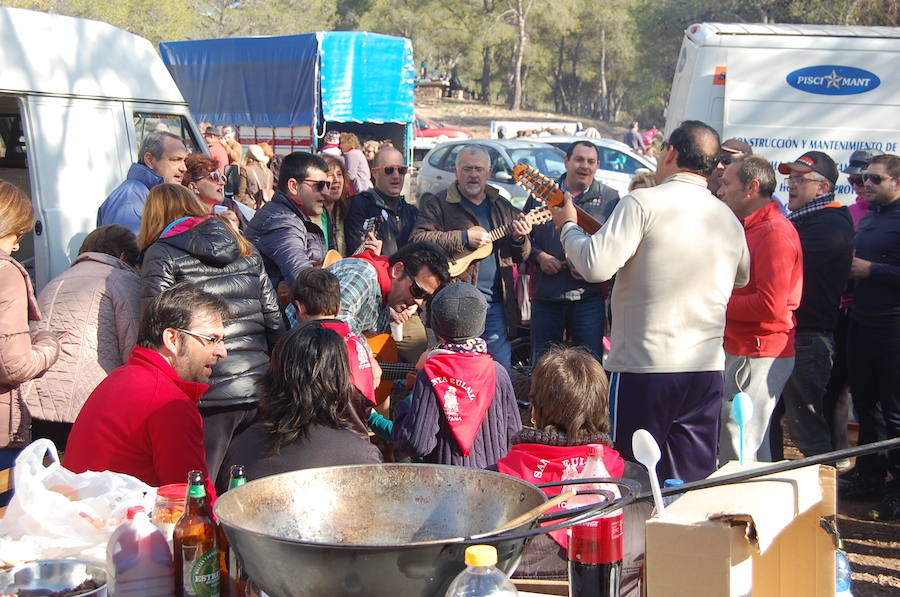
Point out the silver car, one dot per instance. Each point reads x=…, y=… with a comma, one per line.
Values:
x=618, y=163
x=438, y=168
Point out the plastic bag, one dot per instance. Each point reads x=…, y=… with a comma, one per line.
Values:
x=56, y=513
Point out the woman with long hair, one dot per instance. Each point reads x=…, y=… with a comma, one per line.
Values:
x=22, y=356
x=96, y=300
x=303, y=396
x=257, y=183
x=204, y=180
x=182, y=242
x=358, y=174
x=336, y=206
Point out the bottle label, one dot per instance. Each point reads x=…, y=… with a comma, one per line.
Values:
x=600, y=541
x=237, y=482
x=196, y=491
x=201, y=575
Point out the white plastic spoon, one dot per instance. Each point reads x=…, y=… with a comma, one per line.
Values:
x=741, y=412
x=646, y=450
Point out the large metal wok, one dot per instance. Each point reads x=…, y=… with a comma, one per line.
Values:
x=392, y=530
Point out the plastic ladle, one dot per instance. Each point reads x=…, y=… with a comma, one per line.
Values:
x=646, y=450
x=741, y=412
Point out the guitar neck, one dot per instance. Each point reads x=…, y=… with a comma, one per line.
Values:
x=395, y=371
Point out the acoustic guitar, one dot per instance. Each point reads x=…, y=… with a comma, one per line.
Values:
x=384, y=349
x=461, y=262
x=544, y=189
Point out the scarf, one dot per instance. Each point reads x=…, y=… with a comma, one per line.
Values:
x=464, y=382
x=541, y=457
x=820, y=202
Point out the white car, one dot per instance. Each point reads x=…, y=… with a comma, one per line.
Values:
x=618, y=163
x=438, y=167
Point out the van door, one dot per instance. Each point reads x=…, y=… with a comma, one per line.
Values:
x=77, y=153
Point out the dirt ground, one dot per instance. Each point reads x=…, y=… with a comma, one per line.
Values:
x=476, y=118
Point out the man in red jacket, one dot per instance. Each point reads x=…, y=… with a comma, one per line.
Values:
x=143, y=419
x=759, y=321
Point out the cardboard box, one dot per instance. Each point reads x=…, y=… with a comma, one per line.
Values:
x=760, y=537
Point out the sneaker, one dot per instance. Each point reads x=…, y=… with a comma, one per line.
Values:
x=858, y=486
x=888, y=509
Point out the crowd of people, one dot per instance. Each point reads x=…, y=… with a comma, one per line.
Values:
x=198, y=331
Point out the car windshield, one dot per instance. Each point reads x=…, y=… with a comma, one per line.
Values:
x=548, y=160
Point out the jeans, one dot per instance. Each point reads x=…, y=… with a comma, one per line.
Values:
x=805, y=390
x=7, y=460
x=221, y=424
x=873, y=359
x=762, y=378
x=496, y=335
x=584, y=320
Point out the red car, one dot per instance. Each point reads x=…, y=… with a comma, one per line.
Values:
x=433, y=132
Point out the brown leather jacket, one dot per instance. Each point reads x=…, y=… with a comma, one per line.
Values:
x=22, y=357
x=441, y=219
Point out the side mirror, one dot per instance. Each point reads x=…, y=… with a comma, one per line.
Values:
x=503, y=176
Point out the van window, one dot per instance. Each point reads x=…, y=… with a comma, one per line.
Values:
x=145, y=123
x=610, y=159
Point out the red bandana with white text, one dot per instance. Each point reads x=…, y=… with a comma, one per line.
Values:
x=359, y=358
x=464, y=384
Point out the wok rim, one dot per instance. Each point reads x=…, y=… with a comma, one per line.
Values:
x=386, y=546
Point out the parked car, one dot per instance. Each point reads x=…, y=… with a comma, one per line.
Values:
x=438, y=168
x=428, y=130
x=618, y=163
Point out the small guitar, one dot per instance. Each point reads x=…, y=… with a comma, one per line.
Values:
x=546, y=190
x=461, y=262
x=384, y=349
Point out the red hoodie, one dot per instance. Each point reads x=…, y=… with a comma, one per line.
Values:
x=142, y=420
x=760, y=320
x=540, y=463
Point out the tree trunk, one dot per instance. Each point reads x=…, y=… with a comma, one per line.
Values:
x=604, y=90
x=518, y=55
x=486, y=57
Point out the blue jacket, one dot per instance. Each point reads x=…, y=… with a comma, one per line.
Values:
x=287, y=240
x=598, y=200
x=125, y=204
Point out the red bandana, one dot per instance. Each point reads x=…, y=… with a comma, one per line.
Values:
x=538, y=463
x=382, y=268
x=464, y=384
x=359, y=358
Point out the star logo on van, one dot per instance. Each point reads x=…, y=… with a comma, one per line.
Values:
x=834, y=80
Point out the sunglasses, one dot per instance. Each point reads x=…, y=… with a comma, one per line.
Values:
x=318, y=185
x=875, y=179
x=856, y=180
x=726, y=159
x=402, y=170
x=415, y=290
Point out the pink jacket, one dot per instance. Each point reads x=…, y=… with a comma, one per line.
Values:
x=21, y=357
x=97, y=301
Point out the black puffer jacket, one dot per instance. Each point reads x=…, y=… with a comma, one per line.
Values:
x=203, y=251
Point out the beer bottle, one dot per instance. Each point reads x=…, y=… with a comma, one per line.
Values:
x=233, y=578
x=196, y=549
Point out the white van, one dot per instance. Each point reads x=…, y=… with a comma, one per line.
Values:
x=788, y=89
x=76, y=99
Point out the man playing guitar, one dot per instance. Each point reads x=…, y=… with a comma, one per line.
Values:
x=457, y=220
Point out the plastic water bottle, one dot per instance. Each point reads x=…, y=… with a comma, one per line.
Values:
x=138, y=559
x=481, y=576
x=841, y=572
x=668, y=499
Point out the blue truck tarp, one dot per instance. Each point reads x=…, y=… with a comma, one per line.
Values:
x=295, y=80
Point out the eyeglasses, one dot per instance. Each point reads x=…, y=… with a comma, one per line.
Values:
x=798, y=179
x=318, y=185
x=875, y=179
x=856, y=180
x=402, y=170
x=474, y=170
x=415, y=290
x=207, y=341
x=216, y=176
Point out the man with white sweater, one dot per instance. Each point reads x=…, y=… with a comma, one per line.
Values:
x=677, y=253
